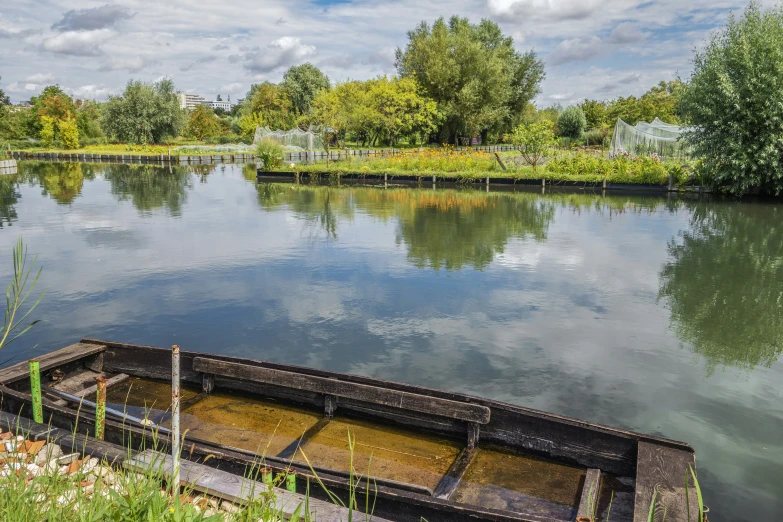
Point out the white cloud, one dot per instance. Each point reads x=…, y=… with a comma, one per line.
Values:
x=520, y=10
x=78, y=43
x=283, y=52
x=39, y=78
x=626, y=33
x=93, y=92
x=130, y=64
x=235, y=87
x=576, y=50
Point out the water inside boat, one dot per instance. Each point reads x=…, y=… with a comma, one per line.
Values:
x=495, y=479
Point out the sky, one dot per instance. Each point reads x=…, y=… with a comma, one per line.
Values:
x=591, y=48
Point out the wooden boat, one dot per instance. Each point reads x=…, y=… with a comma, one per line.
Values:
x=419, y=452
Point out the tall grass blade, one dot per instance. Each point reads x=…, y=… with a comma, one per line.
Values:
x=651, y=514
x=698, y=494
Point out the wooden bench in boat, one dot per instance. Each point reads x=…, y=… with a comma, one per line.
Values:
x=474, y=413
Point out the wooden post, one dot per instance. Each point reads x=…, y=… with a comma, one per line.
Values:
x=100, y=407
x=175, y=450
x=35, y=391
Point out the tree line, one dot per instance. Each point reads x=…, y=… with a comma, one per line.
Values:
x=457, y=81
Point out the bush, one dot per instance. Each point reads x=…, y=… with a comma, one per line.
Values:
x=535, y=141
x=571, y=123
x=271, y=153
x=735, y=103
x=587, y=167
x=47, y=131
x=69, y=133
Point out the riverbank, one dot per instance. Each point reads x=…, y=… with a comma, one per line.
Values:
x=529, y=177
x=162, y=158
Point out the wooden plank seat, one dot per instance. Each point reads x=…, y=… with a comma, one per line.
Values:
x=474, y=413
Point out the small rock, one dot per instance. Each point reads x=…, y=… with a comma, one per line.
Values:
x=48, y=452
x=105, y=474
x=210, y=512
x=228, y=507
x=34, y=470
x=89, y=465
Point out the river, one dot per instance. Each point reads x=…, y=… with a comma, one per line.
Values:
x=655, y=314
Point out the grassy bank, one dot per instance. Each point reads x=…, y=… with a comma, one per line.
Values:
x=472, y=166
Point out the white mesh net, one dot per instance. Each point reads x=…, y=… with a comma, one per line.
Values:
x=292, y=140
x=645, y=138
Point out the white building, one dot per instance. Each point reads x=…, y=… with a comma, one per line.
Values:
x=189, y=101
x=225, y=105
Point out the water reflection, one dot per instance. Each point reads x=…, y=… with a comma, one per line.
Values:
x=62, y=182
x=149, y=187
x=9, y=196
x=441, y=229
x=569, y=312
x=724, y=284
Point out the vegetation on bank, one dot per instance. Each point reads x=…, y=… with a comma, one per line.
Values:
x=467, y=166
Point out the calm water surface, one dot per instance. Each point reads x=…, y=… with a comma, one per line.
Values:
x=659, y=315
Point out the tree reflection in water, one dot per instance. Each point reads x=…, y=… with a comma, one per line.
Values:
x=724, y=284
x=150, y=187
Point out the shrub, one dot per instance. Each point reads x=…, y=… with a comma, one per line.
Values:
x=271, y=153
x=735, y=103
x=535, y=141
x=47, y=131
x=69, y=133
x=571, y=122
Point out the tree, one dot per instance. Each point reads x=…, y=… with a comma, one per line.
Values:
x=571, y=123
x=4, y=99
x=661, y=101
x=735, y=103
x=88, y=120
x=202, y=123
x=535, y=141
x=479, y=81
x=47, y=131
x=249, y=122
x=273, y=103
x=69, y=133
x=53, y=103
x=303, y=83
x=595, y=112
x=145, y=113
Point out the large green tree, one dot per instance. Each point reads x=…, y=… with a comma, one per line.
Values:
x=381, y=110
x=274, y=105
x=145, y=113
x=303, y=83
x=662, y=101
x=480, y=82
x=735, y=102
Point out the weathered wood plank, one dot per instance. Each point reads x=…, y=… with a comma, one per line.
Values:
x=588, y=503
x=450, y=481
x=664, y=469
x=51, y=360
x=238, y=489
x=109, y=382
x=403, y=400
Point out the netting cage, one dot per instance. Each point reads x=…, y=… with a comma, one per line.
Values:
x=656, y=137
x=292, y=140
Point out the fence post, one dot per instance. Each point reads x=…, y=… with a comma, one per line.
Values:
x=100, y=407
x=35, y=391
x=175, y=419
